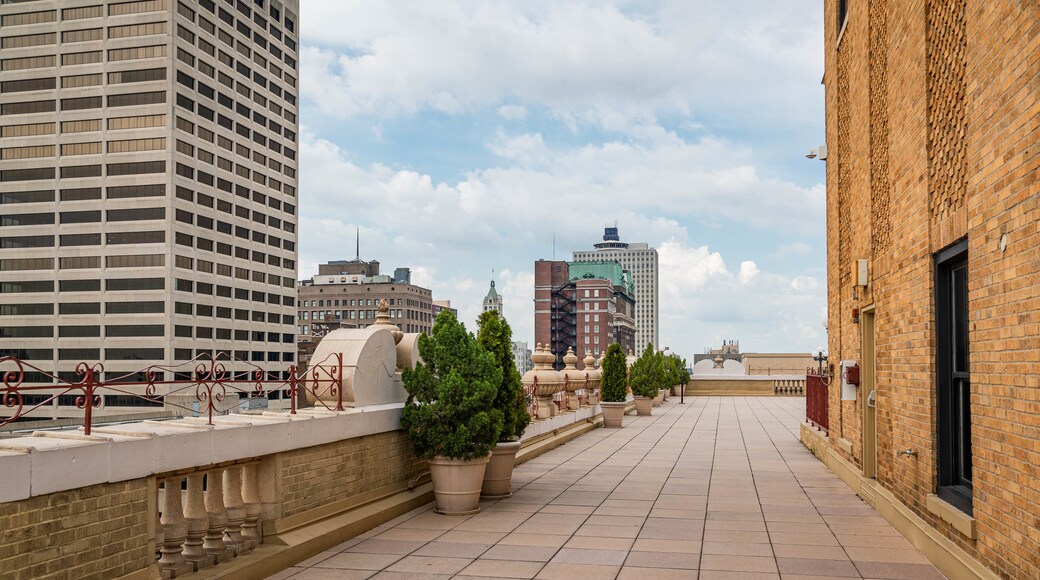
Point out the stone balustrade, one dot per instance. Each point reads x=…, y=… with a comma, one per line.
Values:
x=167, y=498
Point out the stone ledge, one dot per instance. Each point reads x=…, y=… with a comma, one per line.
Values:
x=942, y=552
x=960, y=521
x=51, y=461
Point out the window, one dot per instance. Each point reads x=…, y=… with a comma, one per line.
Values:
x=75, y=58
x=133, y=145
x=21, y=86
x=118, y=54
x=843, y=14
x=135, y=214
x=80, y=103
x=76, y=81
x=27, y=107
x=140, y=122
x=120, y=307
x=28, y=62
x=137, y=76
x=81, y=35
x=29, y=18
x=953, y=379
x=29, y=40
x=136, y=168
x=81, y=126
x=128, y=191
x=33, y=152
x=132, y=99
x=130, y=30
x=136, y=7
x=80, y=13
x=27, y=130
x=79, y=308
x=81, y=149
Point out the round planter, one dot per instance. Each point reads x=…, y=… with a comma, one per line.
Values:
x=644, y=406
x=613, y=413
x=499, y=471
x=676, y=390
x=456, y=484
x=659, y=398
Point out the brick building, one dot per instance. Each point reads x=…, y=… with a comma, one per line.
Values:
x=348, y=293
x=583, y=305
x=934, y=272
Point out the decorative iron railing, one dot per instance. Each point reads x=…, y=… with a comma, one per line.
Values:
x=816, y=398
x=202, y=386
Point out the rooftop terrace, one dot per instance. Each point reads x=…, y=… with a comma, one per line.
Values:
x=720, y=487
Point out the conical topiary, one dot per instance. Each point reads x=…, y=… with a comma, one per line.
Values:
x=450, y=410
x=495, y=336
x=612, y=387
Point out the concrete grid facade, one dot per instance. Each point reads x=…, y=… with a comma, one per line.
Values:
x=642, y=261
x=933, y=141
x=148, y=181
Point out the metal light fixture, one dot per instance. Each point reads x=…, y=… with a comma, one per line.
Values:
x=821, y=361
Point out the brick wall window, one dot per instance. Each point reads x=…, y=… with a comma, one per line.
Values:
x=953, y=380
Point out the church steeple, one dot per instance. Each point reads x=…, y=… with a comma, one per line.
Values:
x=493, y=300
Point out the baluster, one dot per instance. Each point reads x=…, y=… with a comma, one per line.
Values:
x=217, y=514
x=251, y=532
x=198, y=523
x=236, y=510
x=158, y=520
x=175, y=530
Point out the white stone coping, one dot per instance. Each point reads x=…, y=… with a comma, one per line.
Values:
x=536, y=427
x=696, y=378
x=52, y=461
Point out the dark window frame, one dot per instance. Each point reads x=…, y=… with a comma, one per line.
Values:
x=953, y=378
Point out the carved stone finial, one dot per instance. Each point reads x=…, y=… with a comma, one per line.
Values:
x=383, y=319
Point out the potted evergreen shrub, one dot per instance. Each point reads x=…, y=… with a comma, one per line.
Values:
x=450, y=416
x=643, y=381
x=495, y=336
x=613, y=389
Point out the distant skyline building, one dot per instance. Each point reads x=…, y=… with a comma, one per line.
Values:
x=642, y=261
x=583, y=305
x=522, y=357
x=148, y=179
x=493, y=300
x=346, y=293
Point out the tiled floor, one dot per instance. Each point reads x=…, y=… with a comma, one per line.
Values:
x=717, y=488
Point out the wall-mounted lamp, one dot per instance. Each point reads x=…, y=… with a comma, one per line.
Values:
x=815, y=152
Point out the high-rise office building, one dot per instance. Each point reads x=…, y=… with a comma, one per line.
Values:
x=148, y=186
x=641, y=260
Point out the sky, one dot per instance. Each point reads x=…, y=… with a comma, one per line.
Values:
x=462, y=137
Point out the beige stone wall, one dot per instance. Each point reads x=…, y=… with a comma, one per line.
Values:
x=777, y=363
x=931, y=131
x=101, y=531
x=315, y=476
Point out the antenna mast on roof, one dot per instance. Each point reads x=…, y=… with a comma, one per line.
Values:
x=358, y=242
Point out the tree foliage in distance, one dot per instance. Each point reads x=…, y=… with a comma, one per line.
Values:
x=496, y=337
x=612, y=386
x=450, y=409
x=684, y=373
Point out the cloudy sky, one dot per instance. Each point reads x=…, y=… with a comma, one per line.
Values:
x=462, y=136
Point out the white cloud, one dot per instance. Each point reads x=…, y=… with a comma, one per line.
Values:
x=611, y=64
x=748, y=271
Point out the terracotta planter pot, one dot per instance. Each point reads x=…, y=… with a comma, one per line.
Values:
x=499, y=471
x=659, y=398
x=644, y=406
x=456, y=484
x=676, y=390
x=613, y=413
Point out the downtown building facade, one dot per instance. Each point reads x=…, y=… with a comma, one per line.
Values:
x=585, y=306
x=148, y=182
x=641, y=261
x=346, y=294
x=933, y=260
